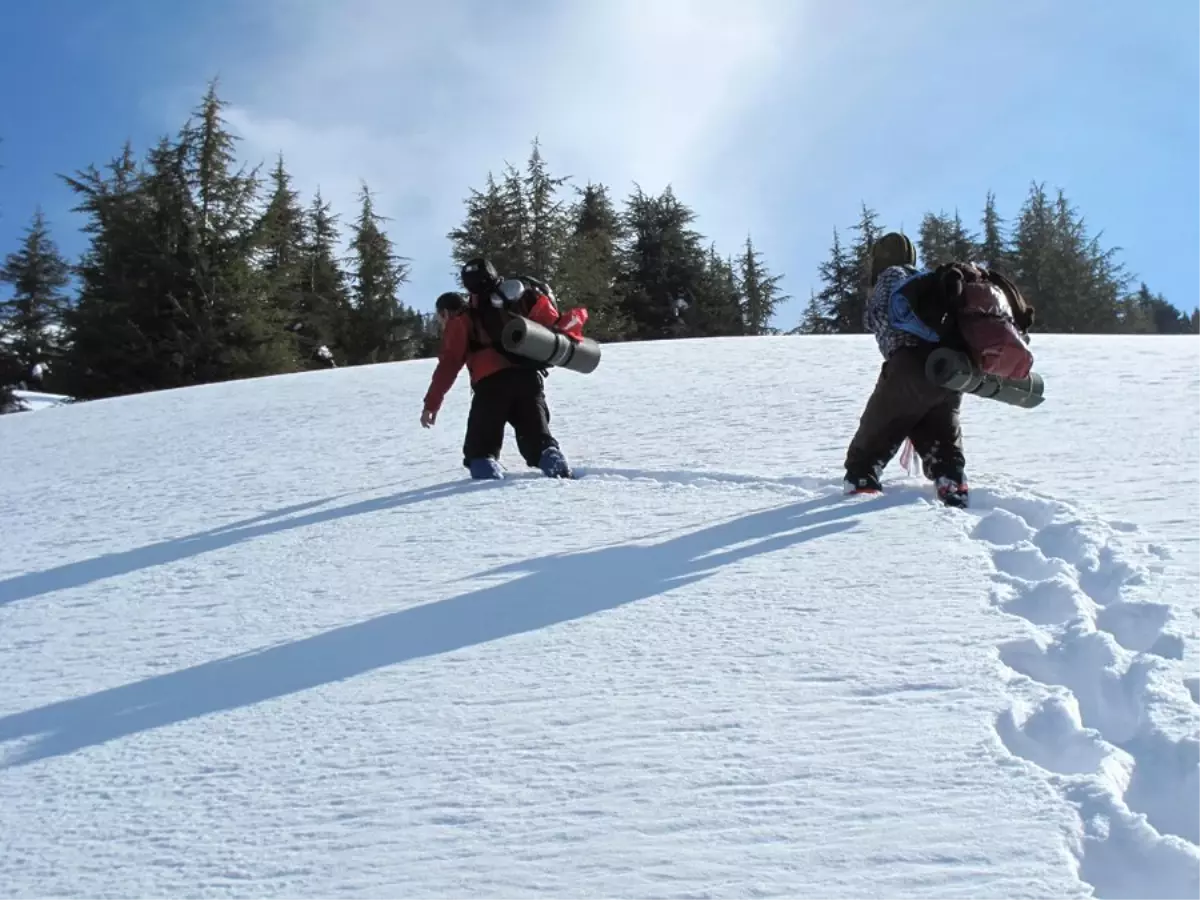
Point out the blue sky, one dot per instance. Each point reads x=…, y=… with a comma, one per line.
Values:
x=775, y=118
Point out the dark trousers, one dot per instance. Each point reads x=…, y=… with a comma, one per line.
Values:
x=513, y=396
x=903, y=405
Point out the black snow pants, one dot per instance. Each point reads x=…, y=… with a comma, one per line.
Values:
x=513, y=396
x=903, y=405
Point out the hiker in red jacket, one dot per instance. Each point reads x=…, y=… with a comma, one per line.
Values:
x=506, y=388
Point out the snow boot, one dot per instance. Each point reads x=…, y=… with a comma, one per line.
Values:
x=554, y=464
x=952, y=493
x=485, y=468
x=863, y=484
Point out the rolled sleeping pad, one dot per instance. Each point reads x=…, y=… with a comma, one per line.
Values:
x=552, y=348
x=955, y=371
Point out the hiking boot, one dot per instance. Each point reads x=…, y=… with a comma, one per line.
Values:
x=485, y=468
x=862, y=484
x=554, y=464
x=951, y=492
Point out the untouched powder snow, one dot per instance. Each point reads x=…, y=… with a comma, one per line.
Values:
x=265, y=639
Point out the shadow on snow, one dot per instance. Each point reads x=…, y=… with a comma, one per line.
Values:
x=112, y=565
x=551, y=590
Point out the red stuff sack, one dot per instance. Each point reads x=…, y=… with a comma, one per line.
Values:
x=985, y=321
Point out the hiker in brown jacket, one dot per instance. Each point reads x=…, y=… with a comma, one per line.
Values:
x=905, y=404
x=962, y=306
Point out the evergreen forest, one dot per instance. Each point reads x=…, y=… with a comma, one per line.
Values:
x=200, y=269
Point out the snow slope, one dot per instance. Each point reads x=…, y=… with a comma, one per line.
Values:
x=264, y=639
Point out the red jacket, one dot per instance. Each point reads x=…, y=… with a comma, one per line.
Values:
x=456, y=351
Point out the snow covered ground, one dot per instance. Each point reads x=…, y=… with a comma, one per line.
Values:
x=265, y=639
x=30, y=401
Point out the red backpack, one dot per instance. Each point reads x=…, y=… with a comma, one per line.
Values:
x=993, y=319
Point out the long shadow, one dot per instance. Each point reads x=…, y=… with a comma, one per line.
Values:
x=697, y=476
x=554, y=589
x=111, y=565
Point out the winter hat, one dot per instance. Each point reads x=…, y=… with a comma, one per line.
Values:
x=893, y=249
x=451, y=302
x=479, y=276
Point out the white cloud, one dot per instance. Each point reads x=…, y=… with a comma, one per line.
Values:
x=422, y=99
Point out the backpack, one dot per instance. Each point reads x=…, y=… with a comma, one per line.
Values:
x=970, y=308
x=993, y=321
x=490, y=315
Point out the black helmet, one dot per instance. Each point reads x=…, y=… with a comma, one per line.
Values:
x=451, y=302
x=893, y=249
x=479, y=276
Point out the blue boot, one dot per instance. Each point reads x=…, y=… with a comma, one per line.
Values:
x=554, y=464
x=485, y=468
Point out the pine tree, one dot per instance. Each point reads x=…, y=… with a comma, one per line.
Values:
x=662, y=263
x=203, y=312
x=760, y=289
x=1032, y=255
x=514, y=231
x=963, y=244
x=814, y=322
x=719, y=301
x=31, y=320
x=172, y=293
x=487, y=230
x=829, y=309
x=1135, y=314
x=548, y=223
x=851, y=314
x=107, y=352
x=1075, y=283
x=235, y=331
x=382, y=329
x=1159, y=315
x=945, y=239
x=518, y=223
x=933, y=241
x=589, y=265
x=326, y=296
x=993, y=248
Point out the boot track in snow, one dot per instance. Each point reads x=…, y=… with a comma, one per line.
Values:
x=1098, y=705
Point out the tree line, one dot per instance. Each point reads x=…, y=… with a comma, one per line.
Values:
x=199, y=269
x=1076, y=284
